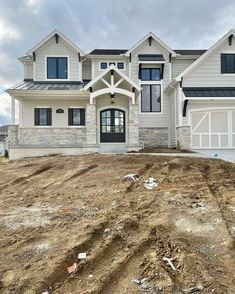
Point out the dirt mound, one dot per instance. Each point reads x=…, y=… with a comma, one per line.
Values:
x=176, y=237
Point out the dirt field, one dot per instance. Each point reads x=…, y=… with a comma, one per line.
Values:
x=54, y=208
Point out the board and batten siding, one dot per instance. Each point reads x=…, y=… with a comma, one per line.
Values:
x=59, y=120
x=153, y=120
x=208, y=73
x=178, y=65
x=28, y=70
x=86, y=71
x=51, y=48
x=172, y=119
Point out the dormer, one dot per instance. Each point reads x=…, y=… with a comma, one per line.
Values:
x=55, y=58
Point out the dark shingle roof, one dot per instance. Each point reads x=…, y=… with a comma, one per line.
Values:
x=190, y=51
x=210, y=92
x=31, y=85
x=108, y=51
x=151, y=57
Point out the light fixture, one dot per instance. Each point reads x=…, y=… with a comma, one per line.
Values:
x=112, y=98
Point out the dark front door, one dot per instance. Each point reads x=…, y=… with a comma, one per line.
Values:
x=112, y=125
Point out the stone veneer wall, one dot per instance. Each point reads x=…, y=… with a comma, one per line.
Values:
x=133, y=127
x=183, y=138
x=51, y=136
x=12, y=134
x=154, y=137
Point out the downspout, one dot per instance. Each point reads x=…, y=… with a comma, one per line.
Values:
x=175, y=114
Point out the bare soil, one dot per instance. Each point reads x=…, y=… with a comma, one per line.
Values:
x=53, y=208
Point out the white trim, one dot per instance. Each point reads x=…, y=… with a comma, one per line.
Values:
x=97, y=78
x=68, y=68
x=208, y=111
x=51, y=35
x=150, y=34
x=204, y=56
x=209, y=98
x=152, y=62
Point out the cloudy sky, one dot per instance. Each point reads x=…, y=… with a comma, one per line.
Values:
x=105, y=24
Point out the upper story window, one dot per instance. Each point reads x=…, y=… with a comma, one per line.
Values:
x=57, y=68
x=151, y=98
x=76, y=116
x=227, y=63
x=119, y=65
x=42, y=116
x=150, y=74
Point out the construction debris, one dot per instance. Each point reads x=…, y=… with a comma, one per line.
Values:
x=82, y=256
x=150, y=183
x=169, y=260
x=73, y=268
x=133, y=177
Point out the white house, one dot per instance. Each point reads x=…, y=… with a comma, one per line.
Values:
x=71, y=102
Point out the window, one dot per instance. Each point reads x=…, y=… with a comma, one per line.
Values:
x=57, y=68
x=120, y=65
x=151, y=98
x=150, y=74
x=42, y=116
x=103, y=65
x=227, y=63
x=76, y=116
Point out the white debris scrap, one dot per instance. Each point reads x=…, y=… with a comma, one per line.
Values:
x=133, y=177
x=169, y=260
x=82, y=256
x=150, y=183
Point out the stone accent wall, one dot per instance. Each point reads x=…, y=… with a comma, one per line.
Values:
x=133, y=124
x=12, y=138
x=91, y=124
x=154, y=137
x=51, y=136
x=183, y=138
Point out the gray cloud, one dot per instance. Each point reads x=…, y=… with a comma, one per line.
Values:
x=107, y=24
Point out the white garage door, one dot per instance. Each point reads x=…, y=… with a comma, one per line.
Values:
x=213, y=129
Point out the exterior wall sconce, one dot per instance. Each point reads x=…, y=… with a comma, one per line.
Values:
x=112, y=98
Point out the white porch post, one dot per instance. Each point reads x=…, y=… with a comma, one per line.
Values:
x=12, y=110
x=91, y=124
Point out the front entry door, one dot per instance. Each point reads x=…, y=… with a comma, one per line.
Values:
x=112, y=125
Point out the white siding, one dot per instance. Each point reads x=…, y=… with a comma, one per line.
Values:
x=208, y=73
x=178, y=65
x=51, y=48
x=172, y=119
x=96, y=64
x=152, y=119
x=59, y=120
x=86, y=71
x=28, y=70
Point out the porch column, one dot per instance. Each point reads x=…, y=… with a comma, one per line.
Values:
x=133, y=123
x=91, y=124
x=12, y=110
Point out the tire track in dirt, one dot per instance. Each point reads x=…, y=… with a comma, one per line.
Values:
x=59, y=273
x=80, y=172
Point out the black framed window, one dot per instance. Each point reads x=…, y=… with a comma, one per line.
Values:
x=151, y=98
x=150, y=74
x=42, y=117
x=57, y=68
x=120, y=65
x=103, y=65
x=76, y=116
x=227, y=63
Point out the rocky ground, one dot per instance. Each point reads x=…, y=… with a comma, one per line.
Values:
x=175, y=238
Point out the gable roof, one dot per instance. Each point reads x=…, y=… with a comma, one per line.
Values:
x=51, y=35
x=108, y=51
x=204, y=56
x=154, y=37
x=111, y=67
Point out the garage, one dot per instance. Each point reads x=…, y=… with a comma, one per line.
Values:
x=212, y=129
